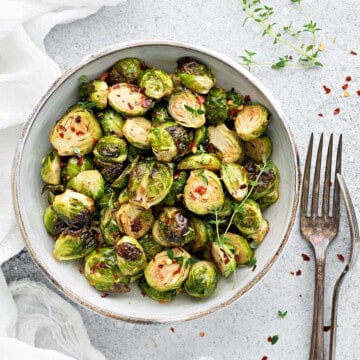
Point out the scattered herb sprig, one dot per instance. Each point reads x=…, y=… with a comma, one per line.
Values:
x=296, y=40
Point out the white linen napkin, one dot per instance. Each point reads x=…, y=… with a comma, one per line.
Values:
x=34, y=320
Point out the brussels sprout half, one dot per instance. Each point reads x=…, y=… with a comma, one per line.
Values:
x=95, y=91
x=111, y=122
x=128, y=69
x=236, y=180
x=259, y=236
x=110, y=230
x=51, y=168
x=223, y=256
x=242, y=250
x=259, y=148
x=160, y=296
x=200, y=161
x=54, y=225
x=156, y=83
x=136, y=131
x=269, y=199
x=76, y=133
x=110, y=149
x=248, y=219
x=75, y=165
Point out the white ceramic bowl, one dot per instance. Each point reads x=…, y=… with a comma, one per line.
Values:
x=29, y=203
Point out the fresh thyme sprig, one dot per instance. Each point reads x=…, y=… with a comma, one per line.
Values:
x=306, y=53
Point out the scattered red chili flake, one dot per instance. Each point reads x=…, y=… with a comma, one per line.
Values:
x=352, y=52
x=298, y=272
x=104, y=76
x=254, y=267
x=80, y=160
x=202, y=333
x=130, y=106
x=358, y=92
x=200, y=99
x=340, y=257
x=104, y=295
x=264, y=358
x=305, y=257
x=348, y=78
x=247, y=98
x=326, y=89
x=269, y=339
x=292, y=273
x=80, y=270
x=201, y=190
x=326, y=328
x=321, y=114
x=336, y=111
x=172, y=329
x=62, y=127
x=345, y=86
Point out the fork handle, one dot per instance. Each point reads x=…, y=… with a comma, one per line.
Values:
x=317, y=338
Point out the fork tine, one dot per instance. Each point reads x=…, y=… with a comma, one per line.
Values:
x=306, y=178
x=336, y=201
x=316, y=184
x=327, y=183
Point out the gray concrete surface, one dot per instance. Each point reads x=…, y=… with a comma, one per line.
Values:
x=241, y=330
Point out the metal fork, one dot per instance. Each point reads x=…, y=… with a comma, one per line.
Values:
x=319, y=228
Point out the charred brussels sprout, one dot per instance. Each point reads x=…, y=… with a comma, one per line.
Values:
x=236, y=180
x=203, y=192
x=252, y=121
x=111, y=122
x=73, y=207
x=223, y=256
x=150, y=246
x=168, y=140
x=126, y=70
x=127, y=99
x=74, y=244
x=136, y=131
x=109, y=227
x=54, y=225
x=160, y=296
x=202, y=279
x=75, y=165
x=200, y=161
x=226, y=144
x=88, y=182
x=156, y=83
x=168, y=269
x=102, y=272
x=130, y=256
x=216, y=107
x=173, y=228
x=195, y=75
x=259, y=148
x=242, y=250
x=51, y=168
x=176, y=190
x=110, y=149
x=95, y=91
x=134, y=220
x=122, y=180
x=187, y=109
x=160, y=114
x=149, y=183
x=249, y=218
x=76, y=133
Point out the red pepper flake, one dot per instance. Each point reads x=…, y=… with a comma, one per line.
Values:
x=104, y=76
x=269, y=339
x=320, y=114
x=264, y=358
x=352, y=52
x=202, y=333
x=345, y=86
x=340, y=257
x=326, y=328
x=104, y=295
x=247, y=98
x=172, y=329
x=348, y=78
x=336, y=111
x=305, y=257
x=358, y=92
x=298, y=272
x=79, y=133
x=62, y=128
x=254, y=267
x=80, y=270
x=61, y=135
x=201, y=190
x=130, y=106
x=292, y=273
x=80, y=160
x=326, y=89
x=200, y=99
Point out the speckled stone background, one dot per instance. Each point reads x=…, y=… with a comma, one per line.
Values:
x=241, y=330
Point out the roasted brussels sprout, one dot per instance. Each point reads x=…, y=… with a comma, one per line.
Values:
x=126, y=70
x=236, y=180
x=54, y=225
x=203, y=192
x=216, y=106
x=150, y=246
x=159, y=113
x=234, y=103
x=242, y=250
x=176, y=190
x=226, y=144
x=75, y=165
x=169, y=140
x=102, y=272
x=200, y=161
x=201, y=229
x=130, y=256
x=223, y=256
x=111, y=122
x=95, y=91
x=259, y=148
x=73, y=207
x=269, y=199
x=259, y=236
x=173, y=228
x=88, y=182
x=156, y=83
x=252, y=121
x=187, y=109
x=74, y=244
x=109, y=227
x=267, y=180
x=110, y=149
x=123, y=196
x=195, y=75
x=109, y=170
x=134, y=220
x=123, y=179
x=249, y=218
x=199, y=137
x=51, y=168
x=168, y=269
x=127, y=99
x=109, y=197
x=149, y=183
x=160, y=296
x=202, y=279
x=136, y=131
x=76, y=133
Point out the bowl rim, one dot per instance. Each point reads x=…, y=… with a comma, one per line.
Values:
x=95, y=56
